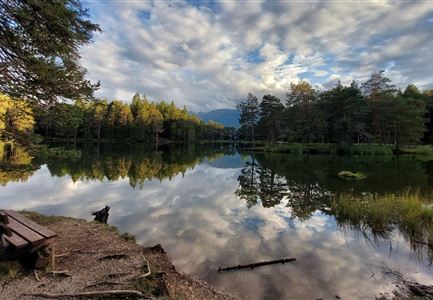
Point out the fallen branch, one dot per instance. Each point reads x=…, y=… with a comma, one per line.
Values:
x=62, y=255
x=36, y=275
x=259, y=264
x=114, y=256
x=84, y=252
x=64, y=273
x=96, y=294
x=104, y=282
x=147, y=273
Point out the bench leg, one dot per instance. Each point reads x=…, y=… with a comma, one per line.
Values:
x=43, y=257
x=52, y=259
x=2, y=241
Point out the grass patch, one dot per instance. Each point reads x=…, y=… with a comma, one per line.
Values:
x=410, y=213
x=43, y=219
x=10, y=270
x=417, y=150
x=151, y=286
x=371, y=149
x=297, y=148
x=328, y=148
x=348, y=175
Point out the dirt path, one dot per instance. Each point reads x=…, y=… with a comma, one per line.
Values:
x=98, y=259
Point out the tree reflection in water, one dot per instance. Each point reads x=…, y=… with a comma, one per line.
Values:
x=377, y=212
x=260, y=180
x=137, y=163
x=307, y=185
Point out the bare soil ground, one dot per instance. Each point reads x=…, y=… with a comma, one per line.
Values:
x=97, y=258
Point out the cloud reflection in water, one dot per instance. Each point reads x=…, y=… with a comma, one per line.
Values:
x=203, y=225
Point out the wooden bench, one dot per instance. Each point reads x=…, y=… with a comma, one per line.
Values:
x=20, y=235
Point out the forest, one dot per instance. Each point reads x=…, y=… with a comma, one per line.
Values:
x=100, y=120
x=373, y=112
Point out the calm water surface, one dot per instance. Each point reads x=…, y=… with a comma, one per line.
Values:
x=212, y=207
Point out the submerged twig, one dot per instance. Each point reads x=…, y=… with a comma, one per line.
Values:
x=258, y=264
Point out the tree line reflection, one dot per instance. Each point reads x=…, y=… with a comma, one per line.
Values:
x=137, y=163
x=16, y=165
x=395, y=198
x=304, y=184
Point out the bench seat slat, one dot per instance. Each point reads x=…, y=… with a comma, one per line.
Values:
x=23, y=231
x=45, y=232
x=16, y=241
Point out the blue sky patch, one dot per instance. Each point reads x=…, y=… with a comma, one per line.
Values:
x=254, y=56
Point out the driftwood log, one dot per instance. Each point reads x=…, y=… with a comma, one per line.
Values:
x=102, y=215
x=258, y=264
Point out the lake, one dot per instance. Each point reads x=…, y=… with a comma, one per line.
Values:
x=219, y=206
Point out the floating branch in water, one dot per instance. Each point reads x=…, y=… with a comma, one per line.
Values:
x=258, y=264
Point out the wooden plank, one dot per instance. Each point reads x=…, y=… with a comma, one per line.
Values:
x=16, y=241
x=45, y=232
x=26, y=233
x=4, y=217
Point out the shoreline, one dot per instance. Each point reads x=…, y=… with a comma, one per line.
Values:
x=96, y=258
x=334, y=149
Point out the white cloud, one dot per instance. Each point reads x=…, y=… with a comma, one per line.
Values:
x=198, y=55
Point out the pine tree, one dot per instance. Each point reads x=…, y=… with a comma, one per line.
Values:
x=249, y=113
x=39, y=51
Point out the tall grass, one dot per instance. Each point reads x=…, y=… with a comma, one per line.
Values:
x=410, y=213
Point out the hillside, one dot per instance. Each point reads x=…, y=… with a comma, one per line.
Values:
x=227, y=117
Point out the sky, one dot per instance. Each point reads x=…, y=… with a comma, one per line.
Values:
x=210, y=54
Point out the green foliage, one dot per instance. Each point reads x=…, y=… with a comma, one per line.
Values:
x=305, y=117
x=271, y=118
x=140, y=120
x=345, y=112
x=344, y=115
x=45, y=152
x=40, y=49
x=249, y=115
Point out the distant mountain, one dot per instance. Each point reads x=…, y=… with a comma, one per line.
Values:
x=227, y=117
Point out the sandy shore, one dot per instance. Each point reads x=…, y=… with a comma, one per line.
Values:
x=95, y=258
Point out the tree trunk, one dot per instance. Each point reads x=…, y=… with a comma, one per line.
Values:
x=252, y=133
x=99, y=132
